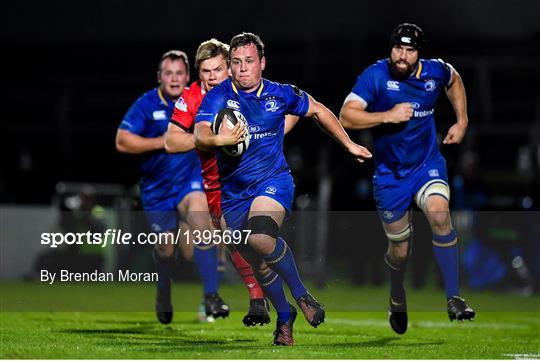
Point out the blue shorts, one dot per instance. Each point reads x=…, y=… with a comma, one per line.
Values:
x=279, y=188
x=394, y=197
x=162, y=213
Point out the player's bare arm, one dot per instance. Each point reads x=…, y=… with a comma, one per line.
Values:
x=354, y=116
x=130, y=143
x=205, y=138
x=177, y=140
x=290, y=122
x=456, y=94
x=329, y=123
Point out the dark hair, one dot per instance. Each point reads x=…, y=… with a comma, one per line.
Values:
x=244, y=39
x=210, y=49
x=174, y=55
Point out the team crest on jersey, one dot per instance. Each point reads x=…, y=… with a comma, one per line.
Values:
x=271, y=190
x=159, y=115
x=271, y=105
x=433, y=172
x=430, y=85
x=233, y=104
x=181, y=104
x=392, y=85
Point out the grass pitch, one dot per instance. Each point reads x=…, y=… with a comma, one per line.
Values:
x=506, y=326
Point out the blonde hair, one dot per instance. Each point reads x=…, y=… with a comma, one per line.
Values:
x=210, y=49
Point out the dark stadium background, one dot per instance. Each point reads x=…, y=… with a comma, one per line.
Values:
x=71, y=70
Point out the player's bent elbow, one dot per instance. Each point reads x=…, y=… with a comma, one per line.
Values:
x=345, y=123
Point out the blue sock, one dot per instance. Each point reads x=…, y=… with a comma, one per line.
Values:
x=446, y=253
x=272, y=286
x=281, y=260
x=163, y=269
x=207, y=263
x=221, y=269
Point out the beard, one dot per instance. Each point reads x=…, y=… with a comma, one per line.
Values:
x=399, y=73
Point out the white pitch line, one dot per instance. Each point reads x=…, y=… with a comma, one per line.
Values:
x=427, y=324
x=523, y=356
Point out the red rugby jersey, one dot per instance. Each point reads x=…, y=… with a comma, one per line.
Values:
x=183, y=116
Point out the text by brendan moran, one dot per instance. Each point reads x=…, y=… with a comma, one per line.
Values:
x=97, y=276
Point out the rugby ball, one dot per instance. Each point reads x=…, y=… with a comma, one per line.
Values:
x=232, y=117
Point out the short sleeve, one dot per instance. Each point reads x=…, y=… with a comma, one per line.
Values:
x=212, y=103
x=446, y=70
x=297, y=100
x=135, y=119
x=365, y=86
x=183, y=115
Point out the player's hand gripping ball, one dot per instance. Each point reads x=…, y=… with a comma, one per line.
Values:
x=233, y=117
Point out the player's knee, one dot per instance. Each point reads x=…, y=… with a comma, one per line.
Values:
x=264, y=231
x=263, y=225
x=165, y=251
x=440, y=221
x=397, y=254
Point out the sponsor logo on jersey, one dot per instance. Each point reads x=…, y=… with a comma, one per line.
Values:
x=155, y=227
x=388, y=215
x=271, y=190
x=392, y=85
x=415, y=105
x=159, y=115
x=430, y=85
x=433, y=172
x=256, y=136
x=271, y=105
x=423, y=113
x=251, y=285
x=181, y=104
x=254, y=128
x=233, y=104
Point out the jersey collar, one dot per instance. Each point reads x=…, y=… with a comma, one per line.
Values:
x=164, y=99
x=259, y=91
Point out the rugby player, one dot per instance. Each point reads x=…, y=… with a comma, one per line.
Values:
x=257, y=188
x=211, y=62
x=170, y=185
x=397, y=96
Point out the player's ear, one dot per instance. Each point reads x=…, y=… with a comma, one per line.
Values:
x=263, y=63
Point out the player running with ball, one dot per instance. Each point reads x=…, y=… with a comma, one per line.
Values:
x=257, y=188
x=211, y=62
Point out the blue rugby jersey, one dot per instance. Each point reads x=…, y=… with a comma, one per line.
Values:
x=264, y=110
x=162, y=174
x=402, y=148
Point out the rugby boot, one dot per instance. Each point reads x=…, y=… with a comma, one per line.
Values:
x=458, y=309
x=258, y=313
x=313, y=310
x=283, y=335
x=215, y=307
x=164, y=310
x=397, y=316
